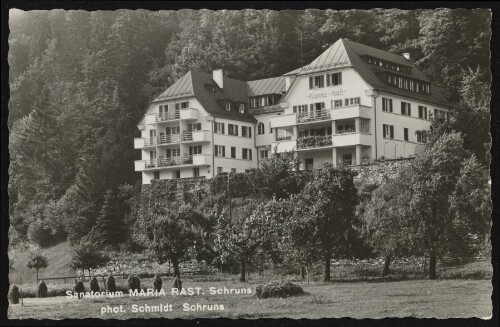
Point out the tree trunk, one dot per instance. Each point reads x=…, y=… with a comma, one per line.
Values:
x=243, y=270
x=302, y=272
x=307, y=272
x=177, y=272
x=328, y=258
x=387, y=263
x=432, y=265
x=37, y=276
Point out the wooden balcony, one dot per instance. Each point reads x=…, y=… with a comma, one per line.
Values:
x=172, y=162
x=313, y=116
x=309, y=142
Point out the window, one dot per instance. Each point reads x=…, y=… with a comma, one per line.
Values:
x=196, y=172
x=219, y=170
x=317, y=82
x=264, y=154
x=219, y=128
x=233, y=152
x=242, y=108
x=400, y=82
x=422, y=112
x=352, y=101
x=260, y=128
x=301, y=109
x=309, y=163
x=194, y=127
x=184, y=105
x=337, y=103
x=365, y=125
x=264, y=101
x=152, y=155
x=177, y=174
x=412, y=86
x=233, y=170
x=427, y=88
x=156, y=175
x=405, y=108
x=220, y=150
x=194, y=150
x=246, y=154
x=246, y=131
x=347, y=159
x=421, y=136
x=388, y=131
x=152, y=133
x=173, y=152
x=406, y=133
x=254, y=102
x=228, y=106
x=232, y=129
x=387, y=104
x=334, y=79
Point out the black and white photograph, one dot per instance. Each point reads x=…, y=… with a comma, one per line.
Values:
x=249, y=163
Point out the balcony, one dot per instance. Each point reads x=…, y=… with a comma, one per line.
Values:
x=352, y=138
x=180, y=161
x=309, y=142
x=196, y=136
x=189, y=114
x=185, y=114
x=351, y=112
x=313, y=116
x=169, y=139
x=284, y=121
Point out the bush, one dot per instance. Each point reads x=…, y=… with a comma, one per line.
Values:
x=134, y=283
x=79, y=288
x=14, y=295
x=278, y=289
x=157, y=283
x=94, y=285
x=110, y=284
x=42, y=289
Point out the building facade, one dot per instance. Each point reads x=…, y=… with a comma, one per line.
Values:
x=353, y=104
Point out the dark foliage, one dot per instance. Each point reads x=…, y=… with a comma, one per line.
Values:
x=278, y=289
x=134, y=283
x=42, y=290
x=110, y=284
x=94, y=285
x=14, y=294
x=157, y=283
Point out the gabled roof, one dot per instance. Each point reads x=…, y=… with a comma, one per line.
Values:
x=200, y=85
x=273, y=85
x=346, y=53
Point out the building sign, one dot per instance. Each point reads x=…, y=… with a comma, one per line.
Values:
x=323, y=95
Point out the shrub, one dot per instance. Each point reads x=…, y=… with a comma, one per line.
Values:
x=42, y=289
x=134, y=283
x=278, y=289
x=79, y=288
x=94, y=285
x=157, y=283
x=178, y=283
x=14, y=295
x=110, y=284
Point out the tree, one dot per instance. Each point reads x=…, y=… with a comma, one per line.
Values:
x=446, y=198
x=240, y=234
x=325, y=212
x=109, y=228
x=37, y=261
x=87, y=256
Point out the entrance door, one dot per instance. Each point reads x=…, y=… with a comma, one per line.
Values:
x=309, y=164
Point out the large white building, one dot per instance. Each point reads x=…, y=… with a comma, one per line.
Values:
x=353, y=104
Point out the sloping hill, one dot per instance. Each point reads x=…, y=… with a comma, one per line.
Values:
x=58, y=257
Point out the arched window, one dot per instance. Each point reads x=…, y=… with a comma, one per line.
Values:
x=260, y=128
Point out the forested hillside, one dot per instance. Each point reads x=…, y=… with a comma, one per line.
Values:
x=80, y=82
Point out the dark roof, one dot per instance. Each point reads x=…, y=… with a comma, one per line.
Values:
x=199, y=84
x=273, y=85
x=346, y=53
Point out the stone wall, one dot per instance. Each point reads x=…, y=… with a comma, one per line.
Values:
x=378, y=171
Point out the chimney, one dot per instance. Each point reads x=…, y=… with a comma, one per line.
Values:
x=218, y=77
x=407, y=56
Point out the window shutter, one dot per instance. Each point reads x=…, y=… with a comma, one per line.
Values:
x=392, y=132
x=236, y=130
x=294, y=109
x=346, y=102
x=223, y=127
x=328, y=79
x=402, y=108
x=216, y=151
x=409, y=109
x=311, y=107
x=223, y=151
x=249, y=131
x=384, y=130
x=311, y=83
x=340, y=78
x=250, y=154
x=322, y=105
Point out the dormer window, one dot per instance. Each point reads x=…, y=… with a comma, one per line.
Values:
x=242, y=108
x=228, y=106
x=210, y=87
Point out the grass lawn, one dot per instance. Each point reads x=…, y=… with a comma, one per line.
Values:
x=418, y=298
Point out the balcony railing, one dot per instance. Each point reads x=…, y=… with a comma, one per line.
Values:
x=284, y=138
x=169, y=138
x=314, y=141
x=166, y=116
x=313, y=116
